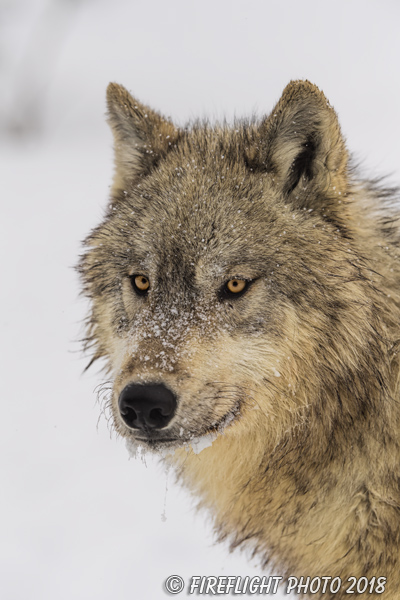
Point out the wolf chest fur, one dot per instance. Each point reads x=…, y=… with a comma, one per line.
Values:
x=244, y=288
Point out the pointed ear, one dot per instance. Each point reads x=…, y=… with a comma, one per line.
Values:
x=302, y=145
x=141, y=137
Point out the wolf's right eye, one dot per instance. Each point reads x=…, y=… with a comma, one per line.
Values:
x=234, y=288
x=140, y=284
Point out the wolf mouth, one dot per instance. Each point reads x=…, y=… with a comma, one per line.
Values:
x=158, y=440
x=191, y=437
x=181, y=441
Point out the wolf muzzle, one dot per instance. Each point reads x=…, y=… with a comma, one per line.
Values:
x=149, y=406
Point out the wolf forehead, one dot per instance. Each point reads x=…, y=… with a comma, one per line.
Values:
x=177, y=204
x=200, y=195
x=193, y=213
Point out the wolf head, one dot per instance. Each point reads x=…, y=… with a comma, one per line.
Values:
x=223, y=278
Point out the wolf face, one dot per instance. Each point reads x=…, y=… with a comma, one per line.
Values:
x=208, y=263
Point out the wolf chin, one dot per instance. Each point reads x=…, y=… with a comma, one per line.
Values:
x=244, y=286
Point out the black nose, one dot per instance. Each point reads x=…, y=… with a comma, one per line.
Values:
x=149, y=406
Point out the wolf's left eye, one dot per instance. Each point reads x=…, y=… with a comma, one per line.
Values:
x=140, y=284
x=234, y=288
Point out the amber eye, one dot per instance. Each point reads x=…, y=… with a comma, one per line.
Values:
x=236, y=285
x=140, y=284
x=234, y=288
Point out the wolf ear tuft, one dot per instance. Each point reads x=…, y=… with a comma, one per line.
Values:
x=141, y=137
x=302, y=145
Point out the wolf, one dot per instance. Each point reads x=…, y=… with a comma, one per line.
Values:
x=244, y=287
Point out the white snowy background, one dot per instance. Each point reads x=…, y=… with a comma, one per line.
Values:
x=78, y=519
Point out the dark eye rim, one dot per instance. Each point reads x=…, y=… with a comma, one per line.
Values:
x=135, y=288
x=225, y=293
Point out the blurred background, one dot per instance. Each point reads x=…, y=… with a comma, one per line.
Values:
x=78, y=519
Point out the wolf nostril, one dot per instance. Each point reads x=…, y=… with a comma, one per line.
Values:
x=128, y=414
x=156, y=416
x=149, y=406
